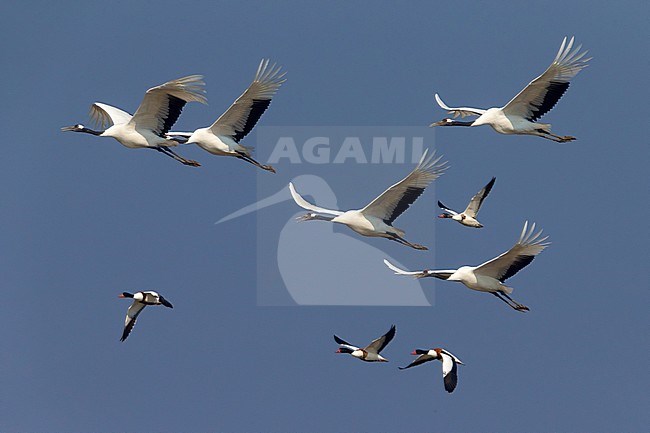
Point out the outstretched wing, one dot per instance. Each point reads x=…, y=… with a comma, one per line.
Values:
x=543, y=92
x=131, y=316
x=306, y=205
x=459, y=111
x=476, y=201
x=339, y=340
x=518, y=257
x=449, y=372
x=442, y=274
x=104, y=115
x=163, y=104
x=419, y=360
x=445, y=208
x=244, y=113
x=396, y=199
x=378, y=345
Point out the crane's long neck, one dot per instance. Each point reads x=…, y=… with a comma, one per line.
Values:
x=90, y=131
x=322, y=217
x=458, y=123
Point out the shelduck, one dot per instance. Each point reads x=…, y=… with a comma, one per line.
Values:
x=140, y=300
x=370, y=353
x=468, y=216
x=449, y=364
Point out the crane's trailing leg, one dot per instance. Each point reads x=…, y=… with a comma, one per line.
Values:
x=518, y=306
x=514, y=305
x=401, y=240
x=558, y=139
x=177, y=157
x=255, y=163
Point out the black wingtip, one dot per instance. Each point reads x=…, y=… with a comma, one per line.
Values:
x=442, y=206
x=391, y=332
x=339, y=340
x=165, y=302
x=489, y=186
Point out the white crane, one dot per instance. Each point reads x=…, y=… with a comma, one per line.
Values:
x=140, y=300
x=370, y=353
x=449, y=364
x=468, y=216
x=520, y=114
x=376, y=219
x=223, y=137
x=337, y=254
x=491, y=275
x=148, y=127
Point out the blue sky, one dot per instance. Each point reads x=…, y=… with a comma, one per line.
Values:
x=84, y=219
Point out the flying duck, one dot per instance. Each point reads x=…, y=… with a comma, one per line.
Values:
x=449, y=364
x=140, y=300
x=370, y=353
x=468, y=216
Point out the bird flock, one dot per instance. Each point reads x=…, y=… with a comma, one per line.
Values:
x=150, y=128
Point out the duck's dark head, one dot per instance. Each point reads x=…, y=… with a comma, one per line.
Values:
x=444, y=215
x=125, y=295
x=344, y=350
x=165, y=302
x=419, y=352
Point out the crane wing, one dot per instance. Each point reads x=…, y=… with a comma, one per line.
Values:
x=459, y=111
x=476, y=201
x=378, y=344
x=306, y=205
x=105, y=115
x=244, y=113
x=543, y=92
x=396, y=199
x=131, y=316
x=518, y=257
x=162, y=105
